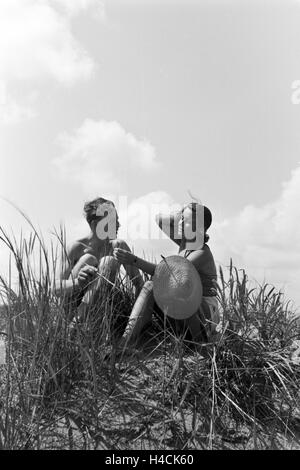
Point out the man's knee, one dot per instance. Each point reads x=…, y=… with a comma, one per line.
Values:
x=84, y=260
x=91, y=260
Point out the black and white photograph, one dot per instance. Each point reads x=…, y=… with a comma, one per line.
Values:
x=150, y=227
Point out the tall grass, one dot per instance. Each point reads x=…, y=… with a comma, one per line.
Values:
x=64, y=386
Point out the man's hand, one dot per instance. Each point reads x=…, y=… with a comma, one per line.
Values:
x=124, y=256
x=86, y=275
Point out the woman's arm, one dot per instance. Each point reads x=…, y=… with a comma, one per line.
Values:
x=198, y=258
x=120, y=246
x=127, y=258
x=145, y=266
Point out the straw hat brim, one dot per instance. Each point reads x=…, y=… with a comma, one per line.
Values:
x=177, y=287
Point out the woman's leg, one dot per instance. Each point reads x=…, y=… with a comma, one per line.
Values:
x=141, y=314
x=213, y=317
x=196, y=325
x=203, y=323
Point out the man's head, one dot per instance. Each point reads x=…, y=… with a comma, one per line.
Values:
x=102, y=217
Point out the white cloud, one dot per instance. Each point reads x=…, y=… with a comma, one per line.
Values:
x=12, y=112
x=100, y=154
x=37, y=43
x=266, y=240
x=139, y=217
x=139, y=228
x=74, y=7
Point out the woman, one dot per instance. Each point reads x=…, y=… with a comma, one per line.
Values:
x=201, y=257
x=89, y=260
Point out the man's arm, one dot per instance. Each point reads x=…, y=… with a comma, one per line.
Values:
x=66, y=284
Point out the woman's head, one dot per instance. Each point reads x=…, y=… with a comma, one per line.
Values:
x=195, y=218
x=97, y=210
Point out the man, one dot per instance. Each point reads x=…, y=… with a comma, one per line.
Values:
x=89, y=260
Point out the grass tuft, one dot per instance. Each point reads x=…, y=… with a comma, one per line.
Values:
x=63, y=385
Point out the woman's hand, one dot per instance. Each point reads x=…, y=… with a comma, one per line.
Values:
x=124, y=256
x=86, y=275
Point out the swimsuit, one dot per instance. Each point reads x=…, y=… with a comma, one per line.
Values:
x=209, y=298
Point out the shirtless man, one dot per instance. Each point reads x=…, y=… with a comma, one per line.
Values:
x=90, y=259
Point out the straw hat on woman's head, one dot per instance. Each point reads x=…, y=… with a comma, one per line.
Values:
x=177, y=287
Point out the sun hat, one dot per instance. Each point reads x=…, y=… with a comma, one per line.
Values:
x=169, y=223
x=177, y=287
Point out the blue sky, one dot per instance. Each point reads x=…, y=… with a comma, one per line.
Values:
x=150, y=100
